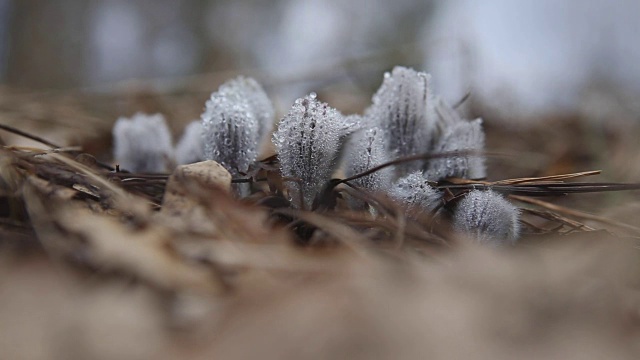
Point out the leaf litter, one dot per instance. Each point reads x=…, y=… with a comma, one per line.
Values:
x=91, y=261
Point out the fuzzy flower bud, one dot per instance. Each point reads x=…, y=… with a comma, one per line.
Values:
x=457, y=135
x=259, y=103
x=142, y=143
x=488, y=217
x=365, y=150
x=308, y=141
x=404, y=108
x=190, y=148
x=234, y=122
x=415, y=193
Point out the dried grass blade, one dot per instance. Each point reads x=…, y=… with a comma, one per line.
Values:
x=341, y=232
x=549, y=215
x=121, y=198
x=559, y=177
x=576, y=213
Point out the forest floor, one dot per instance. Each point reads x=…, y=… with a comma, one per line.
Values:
x=91, y=267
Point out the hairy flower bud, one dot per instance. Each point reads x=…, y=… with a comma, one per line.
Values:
x=259, y=102
x=190, y=148
x=404, y=108
x=488, y=217
x=457, y=135
x=142, y=143
x=308, y=140
x=235, y=119
x=415, y=193
x=365, y=150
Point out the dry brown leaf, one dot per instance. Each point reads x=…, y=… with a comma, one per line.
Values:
x=142, y=250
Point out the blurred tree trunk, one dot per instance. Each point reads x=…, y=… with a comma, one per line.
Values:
x=46, y=43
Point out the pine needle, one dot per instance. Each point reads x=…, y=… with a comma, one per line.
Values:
x=576, y=213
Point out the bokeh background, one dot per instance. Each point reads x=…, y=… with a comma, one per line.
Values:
x=526, y=56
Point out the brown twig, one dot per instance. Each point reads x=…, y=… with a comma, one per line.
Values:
x=11, y=129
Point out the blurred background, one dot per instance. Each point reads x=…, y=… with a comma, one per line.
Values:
x=527, y=55
x=75, y=66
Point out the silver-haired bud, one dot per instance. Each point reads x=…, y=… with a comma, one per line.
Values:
x=190, y=148
x=364, y=151
x=415, y=194
x=230, y=128
x=260, y=104
x=142, y=143
x=488, y=217
x=308, y=140
x=404, y=108
x=457, y=135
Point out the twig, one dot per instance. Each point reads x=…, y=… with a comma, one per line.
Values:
x=464, y=98
x=11, y=129
x=427, y=156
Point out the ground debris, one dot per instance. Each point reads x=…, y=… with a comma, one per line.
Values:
x=97, y=263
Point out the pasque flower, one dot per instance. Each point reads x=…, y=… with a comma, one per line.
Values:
x=142, y=143
x=308, y=141
x=487, y=217
x=403, y=107
x=234, y=122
